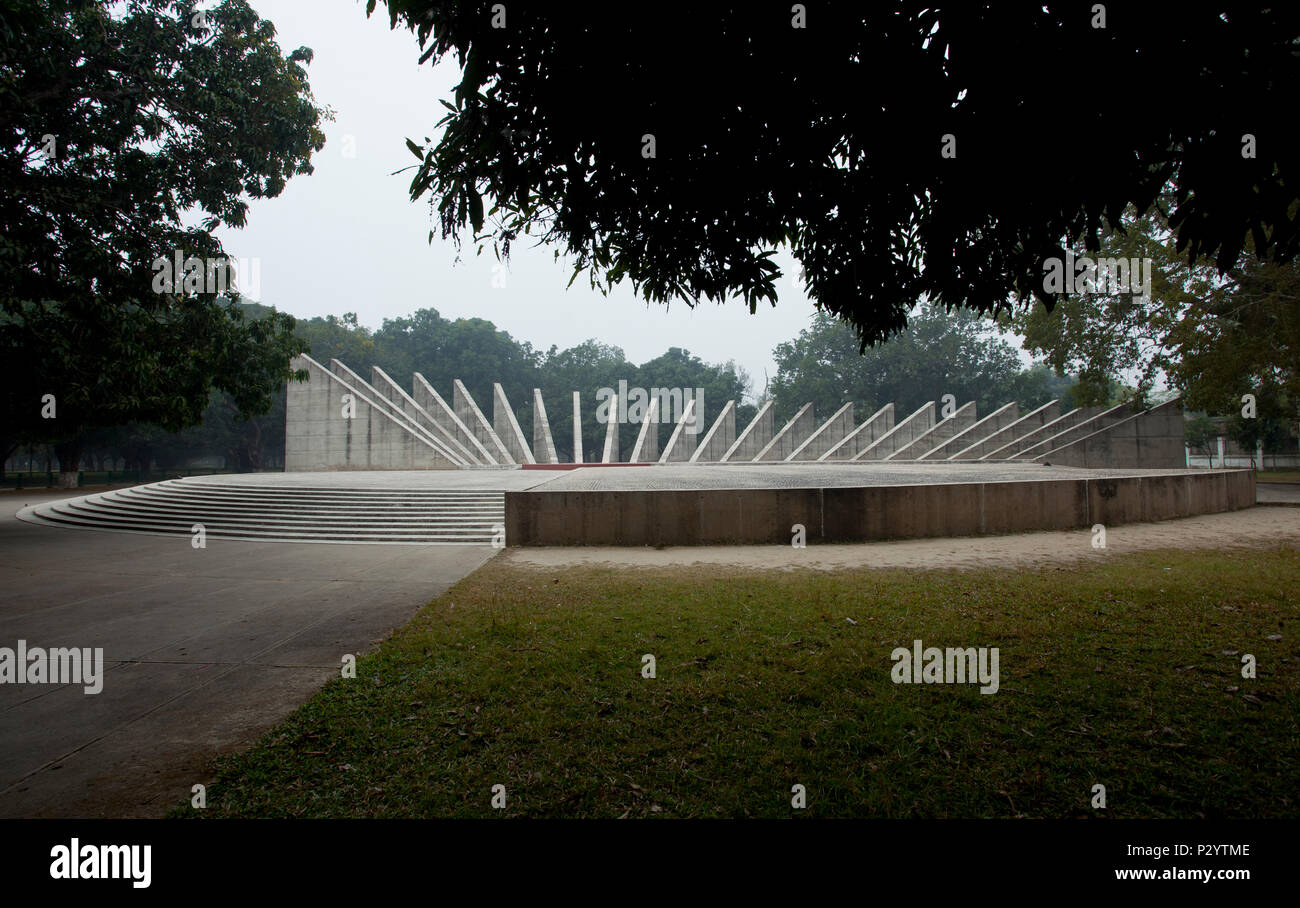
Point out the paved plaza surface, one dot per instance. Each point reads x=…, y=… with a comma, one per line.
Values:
x=819, y=475
x=204, y=650
x=1278, y=493
x=682, y=476
x=486, y=479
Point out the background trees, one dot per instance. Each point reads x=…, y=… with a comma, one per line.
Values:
x=939, y=353
x=119, y=127
x=1212, y=337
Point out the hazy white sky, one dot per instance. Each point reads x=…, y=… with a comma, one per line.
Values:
x=348, y=238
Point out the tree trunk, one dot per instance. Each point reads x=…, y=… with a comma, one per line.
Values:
x=69, y=455
x=250, y=448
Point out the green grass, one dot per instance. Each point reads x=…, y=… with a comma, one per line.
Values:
x=1111, y=672
x=1277, y=476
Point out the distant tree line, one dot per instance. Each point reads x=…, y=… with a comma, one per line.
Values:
x=958, y=353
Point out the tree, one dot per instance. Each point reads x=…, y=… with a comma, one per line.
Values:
x=119, y=124
x=584, y=368
x=1107, y=331
x=900, y=153
x=1213, y=337
x=1201, y=433
x=1244, y=338
x=331, y=337
x=1039, y=384
x=940, y=353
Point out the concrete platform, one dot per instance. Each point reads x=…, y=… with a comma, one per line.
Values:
x=798, y=475
x=660, y=504
x=859, y=502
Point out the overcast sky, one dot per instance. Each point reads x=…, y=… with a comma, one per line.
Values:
x=348, y=239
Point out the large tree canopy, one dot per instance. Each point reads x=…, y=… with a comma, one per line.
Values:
x=120, y=125
x=1212, y=336
x=899, y=152
x=939, y=353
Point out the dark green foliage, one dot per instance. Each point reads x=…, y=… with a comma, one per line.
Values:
x=940, y=353
x=829, y=139
x=118, y=124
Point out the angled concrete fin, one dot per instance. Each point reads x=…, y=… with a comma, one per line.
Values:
x=377, y=399
x=1000, y=418
x=611, y=453
x=577, y=428
x=940, y=432
x=1084, y=427
x=384, y=384
x=543, y=442
x=1042, y=433
x=445, y=416
x=903, y=434
x=720, y=437
x=332, y=424
x=876, y=425
x=827, y=435
x=507, y=428
x=1035, y=419
x=755, y=437
x=646, y=449
x=1152, y=439
x=790, y=436
x=681, y=444
x=469, y=413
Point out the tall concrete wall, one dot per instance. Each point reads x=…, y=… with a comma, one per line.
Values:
x=1154, y=438
x=330, y=425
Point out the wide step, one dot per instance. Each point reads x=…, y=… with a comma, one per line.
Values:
x=286, y=513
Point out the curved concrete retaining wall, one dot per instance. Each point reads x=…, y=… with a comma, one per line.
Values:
x=859, y=514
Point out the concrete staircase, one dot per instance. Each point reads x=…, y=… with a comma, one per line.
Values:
x=285, y=513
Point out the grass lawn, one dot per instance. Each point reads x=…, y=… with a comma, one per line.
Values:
x=1277, y=476
x=1124, y=671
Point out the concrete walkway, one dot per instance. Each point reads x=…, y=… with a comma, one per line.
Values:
x=204, y=649
x=1278, y=493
